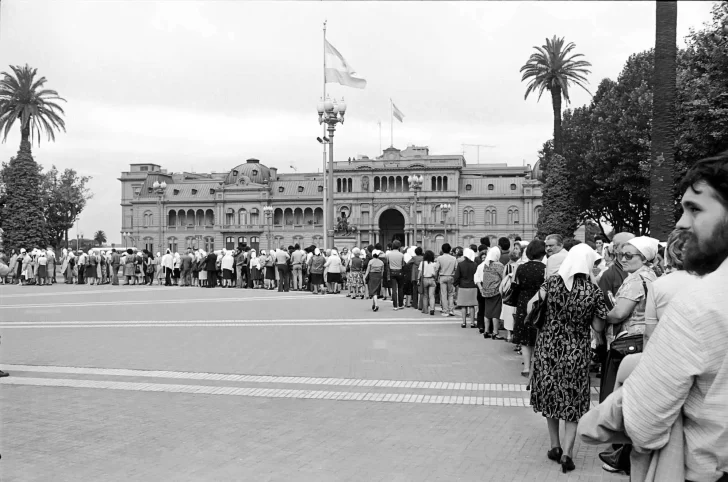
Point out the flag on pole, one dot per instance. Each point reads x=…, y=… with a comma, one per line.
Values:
x=339, y=71
x=397, y=113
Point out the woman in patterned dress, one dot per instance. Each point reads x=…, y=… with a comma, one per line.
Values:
x=560, y=377
x=530, y=277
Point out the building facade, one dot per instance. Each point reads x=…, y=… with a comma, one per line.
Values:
x=222, y=210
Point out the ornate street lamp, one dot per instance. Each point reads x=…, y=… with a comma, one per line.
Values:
x=268, y=212
x=330, y=113
x=415, y=183
x=445, y=209
x=126, y=235
x=159, y=189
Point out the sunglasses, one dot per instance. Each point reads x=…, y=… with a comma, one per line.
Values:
x=628, y=256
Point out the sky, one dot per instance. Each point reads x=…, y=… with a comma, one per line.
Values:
x=202, y=86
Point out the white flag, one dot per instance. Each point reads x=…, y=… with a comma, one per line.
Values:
x=397, y=113
x=339, y=71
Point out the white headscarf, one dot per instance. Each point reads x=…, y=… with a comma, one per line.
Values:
x=316, y=252
x=469, y=253
x=580, y=259
x=493, y=255
x=410, y=254
x=646, y=245
x=334, y=252
x=524, y=245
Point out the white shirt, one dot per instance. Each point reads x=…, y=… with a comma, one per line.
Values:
x=227, y=262
x=553, y=263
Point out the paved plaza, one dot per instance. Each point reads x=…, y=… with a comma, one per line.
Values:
x=112, y=383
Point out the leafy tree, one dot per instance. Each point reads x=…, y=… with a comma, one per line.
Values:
x=560, y=213
x=553, y=68
x=662, y=206
x=65, y=197
x=23, y=99
x=99, y=237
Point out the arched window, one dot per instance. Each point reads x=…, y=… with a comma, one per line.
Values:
x=182, y=217
x=172, y=218
x=338, y=185
x=398, y=183
x=229, y=242
x=308, y=216
x=149, y=244
x=392, y=184
x=513, y=215
x=209, y=218
x=242, y=240
x=385, y=184
x=254, y=217
x=318, y=216
x=230, y=216
x=434, y=183
x=490, y=215
x=439, y=183
x=278, y=217
x=172, y=244
x=437, y=214
x=444, y=183
x=377, y=184
x=468, y=217
x=147, y=219
x=189, y=242
x=318, y=240
x=288, y=216
x=350, y=183
x=243, y=216
x=200, y=217
x=190, y=217
x=536, y=214
x=298, y=216
x=405, y=183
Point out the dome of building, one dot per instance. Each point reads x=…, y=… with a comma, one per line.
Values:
x=536, y=172
x=251, y=171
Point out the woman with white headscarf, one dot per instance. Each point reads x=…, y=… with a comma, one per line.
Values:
x=333, y=277
x=373, y=277
x=202, y=266
x=316, y=271
x=464, y=280
x=407, y=267
x=515, y=256
x=488, y=278
x=560, y=375
x=529, y=276
x=356, y=274
x=628, y=314
x=254, y=270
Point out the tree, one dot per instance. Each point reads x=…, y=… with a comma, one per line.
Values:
x=552, y=68
x=662, y=206
x=560, y=213
x=99, y=237
x=23, y=99
x=65, y=197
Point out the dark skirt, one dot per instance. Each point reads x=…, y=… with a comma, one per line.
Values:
x=333, y=277
x=468, y=297
x=374, y=283
x=90, y=271
x=175, y=273
x=41, y=271
x=493, y=306
x=254, y=273
x=227, y=274
x=317, y=278
x=270, y=273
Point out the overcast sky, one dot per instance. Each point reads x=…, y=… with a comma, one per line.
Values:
x=203, y=86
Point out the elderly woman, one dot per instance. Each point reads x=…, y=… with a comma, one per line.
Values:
x=333, y=267
x=488, y=278
x=254, y=270
x=316, y=270
x=507, y=311
x=674, y=281
x=628, y=313
x=356, y=274
x=373, y=277
x=91, y=267
x=130, y=266
x=464, y=280
x=560, y=378
x=529, y=276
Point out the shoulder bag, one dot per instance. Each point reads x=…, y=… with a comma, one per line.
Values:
x=510, y=289
x=537, y=316
x=628, y=344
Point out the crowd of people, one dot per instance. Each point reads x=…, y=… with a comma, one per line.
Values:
x=567, y=307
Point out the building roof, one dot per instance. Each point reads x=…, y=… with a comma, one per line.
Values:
x=252, y=169
x=290, y=188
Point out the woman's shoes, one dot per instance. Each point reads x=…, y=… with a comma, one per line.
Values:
x=487, y=335
x=567, y=465
x=496, y=336
x=464, y=325
x=376, y=308
x=481, y=331
x=473, y=325
x=526, y=374
x=555, y=454
x=432, y=312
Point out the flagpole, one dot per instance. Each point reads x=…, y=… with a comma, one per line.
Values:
x=391, y=123
x=325, y=197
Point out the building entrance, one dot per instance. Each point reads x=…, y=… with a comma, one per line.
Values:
x=391, y=227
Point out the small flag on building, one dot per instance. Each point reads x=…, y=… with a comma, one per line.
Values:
x=397, y=113
x=339, y=71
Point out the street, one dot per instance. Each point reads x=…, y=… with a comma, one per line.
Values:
x=185, y=384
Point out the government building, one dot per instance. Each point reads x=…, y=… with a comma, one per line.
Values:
x=222, y=210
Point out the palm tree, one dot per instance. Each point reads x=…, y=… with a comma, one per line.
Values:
x=23, y=98
x=100, y=237
x=553, y=67
x=664, y=119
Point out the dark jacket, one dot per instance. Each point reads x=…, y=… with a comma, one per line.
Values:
x=465, y=274
x=210, y=262
x=186, y=262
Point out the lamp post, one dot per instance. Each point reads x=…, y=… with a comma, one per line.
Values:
x=159, y=190
x=331, y=113
x=126, y=235
x=445, y=209
x=415, y=183
x=268, y=211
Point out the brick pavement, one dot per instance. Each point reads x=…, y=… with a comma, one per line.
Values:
x=84, y=433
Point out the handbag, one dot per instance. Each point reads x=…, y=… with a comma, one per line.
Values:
x=537, y=316
x=510, y=289
x=628, y=344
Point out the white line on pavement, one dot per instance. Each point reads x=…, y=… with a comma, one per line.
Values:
x=267, y=393
x=207, y=324
x=151, y=302
x=236, y=377
x=277, y=320
x=103, y=289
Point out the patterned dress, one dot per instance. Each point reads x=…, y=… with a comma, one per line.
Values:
x=560, y=379
x=530, y=277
